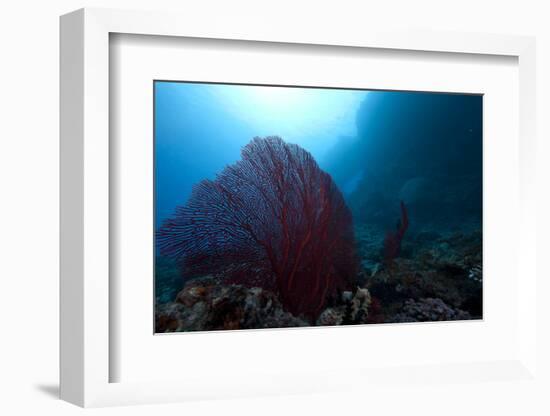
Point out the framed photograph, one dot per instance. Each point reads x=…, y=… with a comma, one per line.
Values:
x=262, y=212
x=355, y=207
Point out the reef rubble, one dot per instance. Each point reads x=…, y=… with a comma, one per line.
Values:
x=207, y=304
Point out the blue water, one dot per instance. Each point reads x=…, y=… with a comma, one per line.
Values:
x=380, y=147
x=201, y=128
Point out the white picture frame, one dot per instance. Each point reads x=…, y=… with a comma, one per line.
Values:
x=85, y=206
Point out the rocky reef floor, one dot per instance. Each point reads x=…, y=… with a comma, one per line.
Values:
x=436, y=277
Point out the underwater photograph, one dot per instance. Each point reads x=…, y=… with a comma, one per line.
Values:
x=288, y=206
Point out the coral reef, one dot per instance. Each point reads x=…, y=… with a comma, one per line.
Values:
x=271, y=242
x=431, y=266
x=435, y=278
x=429, y=310
x=273, y=220
x=206, y=304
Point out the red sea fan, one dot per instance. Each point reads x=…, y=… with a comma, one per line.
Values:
x=392, y=243
x=275, y=220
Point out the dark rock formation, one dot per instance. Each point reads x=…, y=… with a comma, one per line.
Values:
x=422, y=148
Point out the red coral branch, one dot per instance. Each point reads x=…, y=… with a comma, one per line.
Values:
x=275, y=220
x=392, y=242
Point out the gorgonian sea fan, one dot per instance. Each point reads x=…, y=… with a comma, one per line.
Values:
x=273, y=219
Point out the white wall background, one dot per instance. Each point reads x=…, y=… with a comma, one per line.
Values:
x=29, y=205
